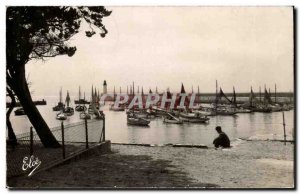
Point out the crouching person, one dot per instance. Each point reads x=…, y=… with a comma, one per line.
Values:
x=221, y=141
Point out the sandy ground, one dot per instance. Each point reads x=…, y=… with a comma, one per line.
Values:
x=249, y=164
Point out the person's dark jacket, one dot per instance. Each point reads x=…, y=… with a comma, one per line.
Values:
x=222, y=141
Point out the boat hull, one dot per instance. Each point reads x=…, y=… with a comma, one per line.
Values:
x=85, y=116
x=137, y=121
x=194, y=120
x=171, y=121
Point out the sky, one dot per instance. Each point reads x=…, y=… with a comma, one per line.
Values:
x=167, y=46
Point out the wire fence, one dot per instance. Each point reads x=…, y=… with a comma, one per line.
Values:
x=74, y=138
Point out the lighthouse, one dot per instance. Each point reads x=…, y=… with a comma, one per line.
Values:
x=104, y=87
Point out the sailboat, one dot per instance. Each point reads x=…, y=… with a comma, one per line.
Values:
x=257, y=105
x=132, y=119
x=238, y=109
x=69, y=111
x=84, y=114
x=121, y=107
x=223, y=109
x=92, y=103
x=274, y=107
x=186, y=115
x=169, y=118
x=80, y=100
x=61, y=116
x=60, y=105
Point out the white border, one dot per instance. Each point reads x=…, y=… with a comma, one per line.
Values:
x=5, y=3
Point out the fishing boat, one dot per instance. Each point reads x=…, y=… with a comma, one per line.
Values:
x=256, y=105
x=91, y=109
x=172, y=119
x=81, y=100
x=139, y=113
x=193, y=117
x=205, y=112
x=159, y=112
x=242, y=110
x=238, y=109
x=61, y=116
x=60, y=105
x=69, y=111
x=223, y=109
x=80, y=108
x=84, y=115
x=132, y=119
x=19, y=112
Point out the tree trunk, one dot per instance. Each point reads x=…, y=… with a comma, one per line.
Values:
x=20, y=87
x=12, y=139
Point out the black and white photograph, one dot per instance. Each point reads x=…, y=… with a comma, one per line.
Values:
x=150, y=97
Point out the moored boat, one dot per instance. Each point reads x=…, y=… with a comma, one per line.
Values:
x=172, y=119
x=61, y=116
x=193, y=117
x=69, y=111
x=80, y=108
x=84, y=115
x=60, y=105
x=132, y=119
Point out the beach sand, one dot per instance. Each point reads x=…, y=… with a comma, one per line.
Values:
x=248, y=164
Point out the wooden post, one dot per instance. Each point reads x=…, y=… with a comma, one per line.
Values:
x=86, y=135
x=31, y=141
x=284, y=135
x=63, y=140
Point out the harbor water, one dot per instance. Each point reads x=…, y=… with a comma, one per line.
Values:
x=242, y=125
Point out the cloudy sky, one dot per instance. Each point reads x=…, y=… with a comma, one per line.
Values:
x=167, y=46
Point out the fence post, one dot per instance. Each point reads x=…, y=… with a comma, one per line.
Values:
x=31, y=141
x=63, y=139
x=284, y=135
x=86, y=134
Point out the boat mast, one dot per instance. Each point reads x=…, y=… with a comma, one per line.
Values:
x=133, y=88
x=251, y=96
x=133, y=94
x=216, y=93
x=234, y=97
x=198, y=95
x=60, y=95
x=275, y=93
x=92, y=95
x=259, y=94
x=114, y=93
x=68, y=98
x=79, y=94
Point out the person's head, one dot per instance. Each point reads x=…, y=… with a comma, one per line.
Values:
x=218, y=129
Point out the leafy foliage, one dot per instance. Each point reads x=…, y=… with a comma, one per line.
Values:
x=39, y=32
